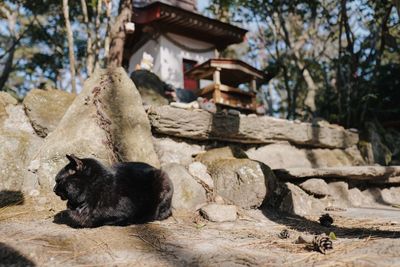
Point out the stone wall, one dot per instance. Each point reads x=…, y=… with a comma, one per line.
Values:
x=241, y=160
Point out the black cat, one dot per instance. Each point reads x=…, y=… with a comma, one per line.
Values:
x=126, y=193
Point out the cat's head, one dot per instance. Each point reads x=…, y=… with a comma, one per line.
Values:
x=71, y=181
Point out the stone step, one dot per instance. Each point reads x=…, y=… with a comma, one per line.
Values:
x=201, y=125
x=389, y=174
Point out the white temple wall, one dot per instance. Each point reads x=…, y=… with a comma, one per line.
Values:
x=168, y=52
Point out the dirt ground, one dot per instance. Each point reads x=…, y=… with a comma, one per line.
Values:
x=365, y=237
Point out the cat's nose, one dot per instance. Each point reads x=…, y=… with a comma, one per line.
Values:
x=55, y=188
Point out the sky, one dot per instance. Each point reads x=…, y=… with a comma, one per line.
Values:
x=202, y=4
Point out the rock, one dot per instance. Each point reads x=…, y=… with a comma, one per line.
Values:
x=298, y=202
x=106, y=121
x=188, y=194
x=284, y=155
x=356, y=158
x=174, y=151
x=219, y=200
x=202, y=125
x=5, y=100
x=150, y=87
x=45, y=108
x=366, y=152
x=340, y=194
x=372, y=197
x=392, y=138
x=281, y=155
x=17, y=120
x=199, y=171
x=382, y=154
x=346, y=172
x=228, y=152
x=356, y=197
x=19, y=144
x=316, y=187
x=243, y=182
x=219, y=213
x=391, y=195
x=321, y=158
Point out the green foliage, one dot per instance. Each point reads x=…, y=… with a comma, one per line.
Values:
x=39, y=43
x=347, y=50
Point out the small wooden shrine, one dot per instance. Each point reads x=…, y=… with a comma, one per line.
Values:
x=233, y=83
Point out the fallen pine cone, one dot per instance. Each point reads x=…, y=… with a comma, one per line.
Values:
x=322, y=243
x=326, y=220
x=284, y=234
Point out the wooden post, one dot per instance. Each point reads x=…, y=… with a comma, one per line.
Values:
x=217, y=76
x=253, y=85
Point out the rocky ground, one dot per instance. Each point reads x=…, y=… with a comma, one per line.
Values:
x=223, y=166
x=365, y=237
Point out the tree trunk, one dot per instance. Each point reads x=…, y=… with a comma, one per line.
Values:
x=7, y=68
x=89, y=42
x=97, y=34
x=107, y=39
x=70, y=45
x=7, y=63
x=118, y=34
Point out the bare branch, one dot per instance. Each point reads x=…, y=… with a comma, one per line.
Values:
x=70, y=45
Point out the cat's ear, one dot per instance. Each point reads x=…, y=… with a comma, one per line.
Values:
x=76, y=162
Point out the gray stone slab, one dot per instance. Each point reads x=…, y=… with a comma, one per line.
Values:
x=348, y=172
x=202, y=125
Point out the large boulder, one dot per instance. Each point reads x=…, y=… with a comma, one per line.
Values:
x=18, y=143
x=106, y=121
x=188, y=194
x=284, y=155
x=243, y=182
x=45, y=108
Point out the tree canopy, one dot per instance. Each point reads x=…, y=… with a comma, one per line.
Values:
x=338, y=60
x=333, y=59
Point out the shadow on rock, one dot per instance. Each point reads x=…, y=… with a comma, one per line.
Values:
x=11, y=257
x=11, y=198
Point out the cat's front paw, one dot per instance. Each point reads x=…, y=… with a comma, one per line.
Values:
x=67, y=217
x=62, y=217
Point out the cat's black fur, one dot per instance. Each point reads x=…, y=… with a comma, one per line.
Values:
x=126, y=193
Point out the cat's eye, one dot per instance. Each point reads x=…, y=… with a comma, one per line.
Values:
x=71, y=171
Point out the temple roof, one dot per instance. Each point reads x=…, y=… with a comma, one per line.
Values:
x=166, y=18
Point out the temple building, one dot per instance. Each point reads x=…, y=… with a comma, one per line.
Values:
x=177, y=38
x=182, y=47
